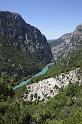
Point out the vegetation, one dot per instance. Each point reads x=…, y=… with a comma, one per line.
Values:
x=19, y=60
x=64, y=108
x=18, y=65
x=22, y=47
x=65, y=64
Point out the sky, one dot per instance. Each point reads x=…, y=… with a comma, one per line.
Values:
x=53, y=17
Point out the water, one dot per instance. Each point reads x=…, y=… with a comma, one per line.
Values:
x=43, y=71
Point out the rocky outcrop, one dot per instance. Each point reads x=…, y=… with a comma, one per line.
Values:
x=68, y=43
x=23, y=49
x=51, y=86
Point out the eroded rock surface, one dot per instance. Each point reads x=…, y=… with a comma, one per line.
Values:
x=67, y=43
x=51, y=86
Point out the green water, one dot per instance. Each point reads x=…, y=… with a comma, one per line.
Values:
x=43, y=71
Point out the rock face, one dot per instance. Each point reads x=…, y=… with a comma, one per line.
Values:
x=63, y=46
x=58, y=41
x=51, y=86
x=77, y=37
x=23, y=49
x=68, y=43
x=67, y=50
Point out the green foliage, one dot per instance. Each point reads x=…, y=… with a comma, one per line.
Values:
x=22, y=54
x=20, y=65
x=64, y=108
x=65, y=64
x=5, y=89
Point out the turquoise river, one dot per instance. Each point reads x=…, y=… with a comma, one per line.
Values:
x=43, y=71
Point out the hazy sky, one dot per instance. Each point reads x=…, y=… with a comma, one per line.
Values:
x=52, y=17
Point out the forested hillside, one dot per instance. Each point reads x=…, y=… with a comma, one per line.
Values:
x=23, y=49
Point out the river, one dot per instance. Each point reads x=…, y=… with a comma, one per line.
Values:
x=43, y=71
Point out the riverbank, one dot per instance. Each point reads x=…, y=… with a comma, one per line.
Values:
x=43, y=71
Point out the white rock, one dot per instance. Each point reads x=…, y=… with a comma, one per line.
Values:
x=50, y=87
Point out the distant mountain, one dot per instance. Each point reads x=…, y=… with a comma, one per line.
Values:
x=23, y=49
x=58, y=41
x=67, y=43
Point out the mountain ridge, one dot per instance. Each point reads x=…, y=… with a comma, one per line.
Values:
x=67, y=43
x=24, y=50
x=63, y=80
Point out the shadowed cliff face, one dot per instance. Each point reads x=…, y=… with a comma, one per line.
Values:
x=23, y=49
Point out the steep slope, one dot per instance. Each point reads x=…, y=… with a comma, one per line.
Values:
x=64, y=71
x=58, y=41
x=69, y=43
x=23, y=49
x=64, y=108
